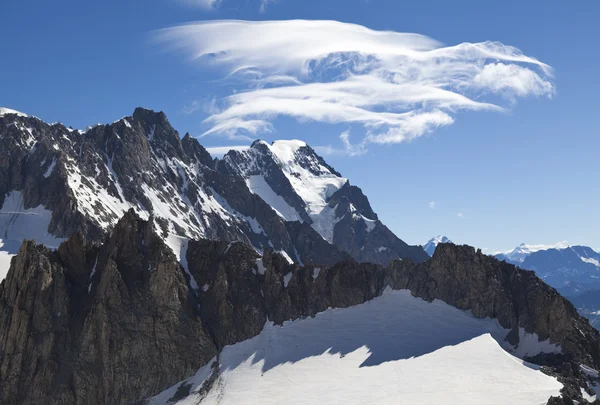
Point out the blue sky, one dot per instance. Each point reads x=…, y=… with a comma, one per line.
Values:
x=527, y=175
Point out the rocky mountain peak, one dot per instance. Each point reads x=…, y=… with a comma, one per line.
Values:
x=195, y=151
x=86, y=181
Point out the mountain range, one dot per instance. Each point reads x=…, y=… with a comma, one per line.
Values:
x=281, y=196
x=140, y=270
x=570, y=269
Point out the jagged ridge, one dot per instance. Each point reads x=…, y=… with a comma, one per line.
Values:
x=82, y=324
x=88, y=180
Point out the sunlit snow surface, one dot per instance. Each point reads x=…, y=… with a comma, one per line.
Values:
x=18, y=223
x=395, y=349
x=257, y=185
x=4, y=111
x=314, y=189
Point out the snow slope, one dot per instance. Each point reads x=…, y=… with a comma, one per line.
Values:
x=5, y=257
x=314, y=187
x=259, y=186
x=4, y=111
x=395, y=349
x=18, y=223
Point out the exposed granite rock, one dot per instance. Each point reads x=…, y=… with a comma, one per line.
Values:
x=133, y=331
x=231, y=301
x=467, y=279
x=120, y=322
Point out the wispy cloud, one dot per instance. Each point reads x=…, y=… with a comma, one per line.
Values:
x=432, y=204
x=264, y=4
x=205, y=4
x=219, y=151
x=460, y=215
x=208, y=106
x=347, y=148
x=396, y=86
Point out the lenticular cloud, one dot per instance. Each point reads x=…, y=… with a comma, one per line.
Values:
x=397, y=86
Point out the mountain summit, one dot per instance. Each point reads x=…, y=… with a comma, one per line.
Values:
x=430, y=246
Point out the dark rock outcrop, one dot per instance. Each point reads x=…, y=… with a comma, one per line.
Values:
x=89, y=325
x=120, y=322
x=468, y=279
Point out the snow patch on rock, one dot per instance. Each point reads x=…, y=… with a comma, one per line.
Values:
x=18, y=223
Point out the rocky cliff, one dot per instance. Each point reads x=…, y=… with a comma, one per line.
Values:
x=120, y=322
x=98, y=325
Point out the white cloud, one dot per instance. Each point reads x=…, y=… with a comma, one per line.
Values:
x=219, y=151
x=207, y=106
x=460, y=215
x=264, y=4
x=205, y=4
x=432, y=204
x=397, y=86
x=512, y=80
x=348, y=148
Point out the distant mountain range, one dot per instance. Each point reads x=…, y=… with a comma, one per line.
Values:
x=570, y=269
x=518, y=254
x=573, y=270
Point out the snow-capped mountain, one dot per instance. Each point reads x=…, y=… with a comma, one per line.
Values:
x=232, y=281
x=300, y=186
x=281, y=196
x=430, y=246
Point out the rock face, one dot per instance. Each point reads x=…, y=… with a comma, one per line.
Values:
x=120, y=322
x=98, y=325
x=285, y=201
x=572, y=270
x=489, y=288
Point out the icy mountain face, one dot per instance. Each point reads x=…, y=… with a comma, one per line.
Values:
x=277, y=197
x=300, y=186
x=430, y=246
x=226, y=316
